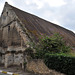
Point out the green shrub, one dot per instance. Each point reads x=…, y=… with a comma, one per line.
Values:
x=54, y=51
x=61, y=62
x=52, y=44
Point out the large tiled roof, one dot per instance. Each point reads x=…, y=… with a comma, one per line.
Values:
x=36, y=25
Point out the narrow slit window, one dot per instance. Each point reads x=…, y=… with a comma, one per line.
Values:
x=8, y=28
x=7, y=13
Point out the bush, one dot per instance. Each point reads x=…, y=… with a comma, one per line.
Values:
x=61, y=62
x=53, y=44
x=54, y=51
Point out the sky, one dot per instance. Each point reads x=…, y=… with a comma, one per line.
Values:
x=61, y=12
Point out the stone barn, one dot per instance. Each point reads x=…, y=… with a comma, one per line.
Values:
x=17, y=28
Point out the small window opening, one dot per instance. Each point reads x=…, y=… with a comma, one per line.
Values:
x=8, y=28
x=7, y=13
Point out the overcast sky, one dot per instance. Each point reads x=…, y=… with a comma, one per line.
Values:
x=61, y=12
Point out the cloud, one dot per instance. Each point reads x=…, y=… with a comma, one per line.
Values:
x=41, y=3
x=67, y=12
x=1, y=6
x=55, y=21
x=55, y=3
x=10, y=1
x=74, y=31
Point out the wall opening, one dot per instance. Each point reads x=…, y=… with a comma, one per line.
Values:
x=7, y=13
x=8, y=28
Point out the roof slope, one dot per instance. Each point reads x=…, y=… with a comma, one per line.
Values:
x=36, y=25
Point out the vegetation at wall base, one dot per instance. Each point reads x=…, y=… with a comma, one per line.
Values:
x=59, y=62
x=56, y=53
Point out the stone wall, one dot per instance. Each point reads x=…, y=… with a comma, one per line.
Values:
x=18, y=59
x=8, y=15
x=14, y=59
x=12, y=32
x=5, y=37
x=15, y=48
x=25, y=38
x=0, y=38
x=9, y=59
x=2, y=56
x=37, y=66
x=3, y=59
x=12, y=38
